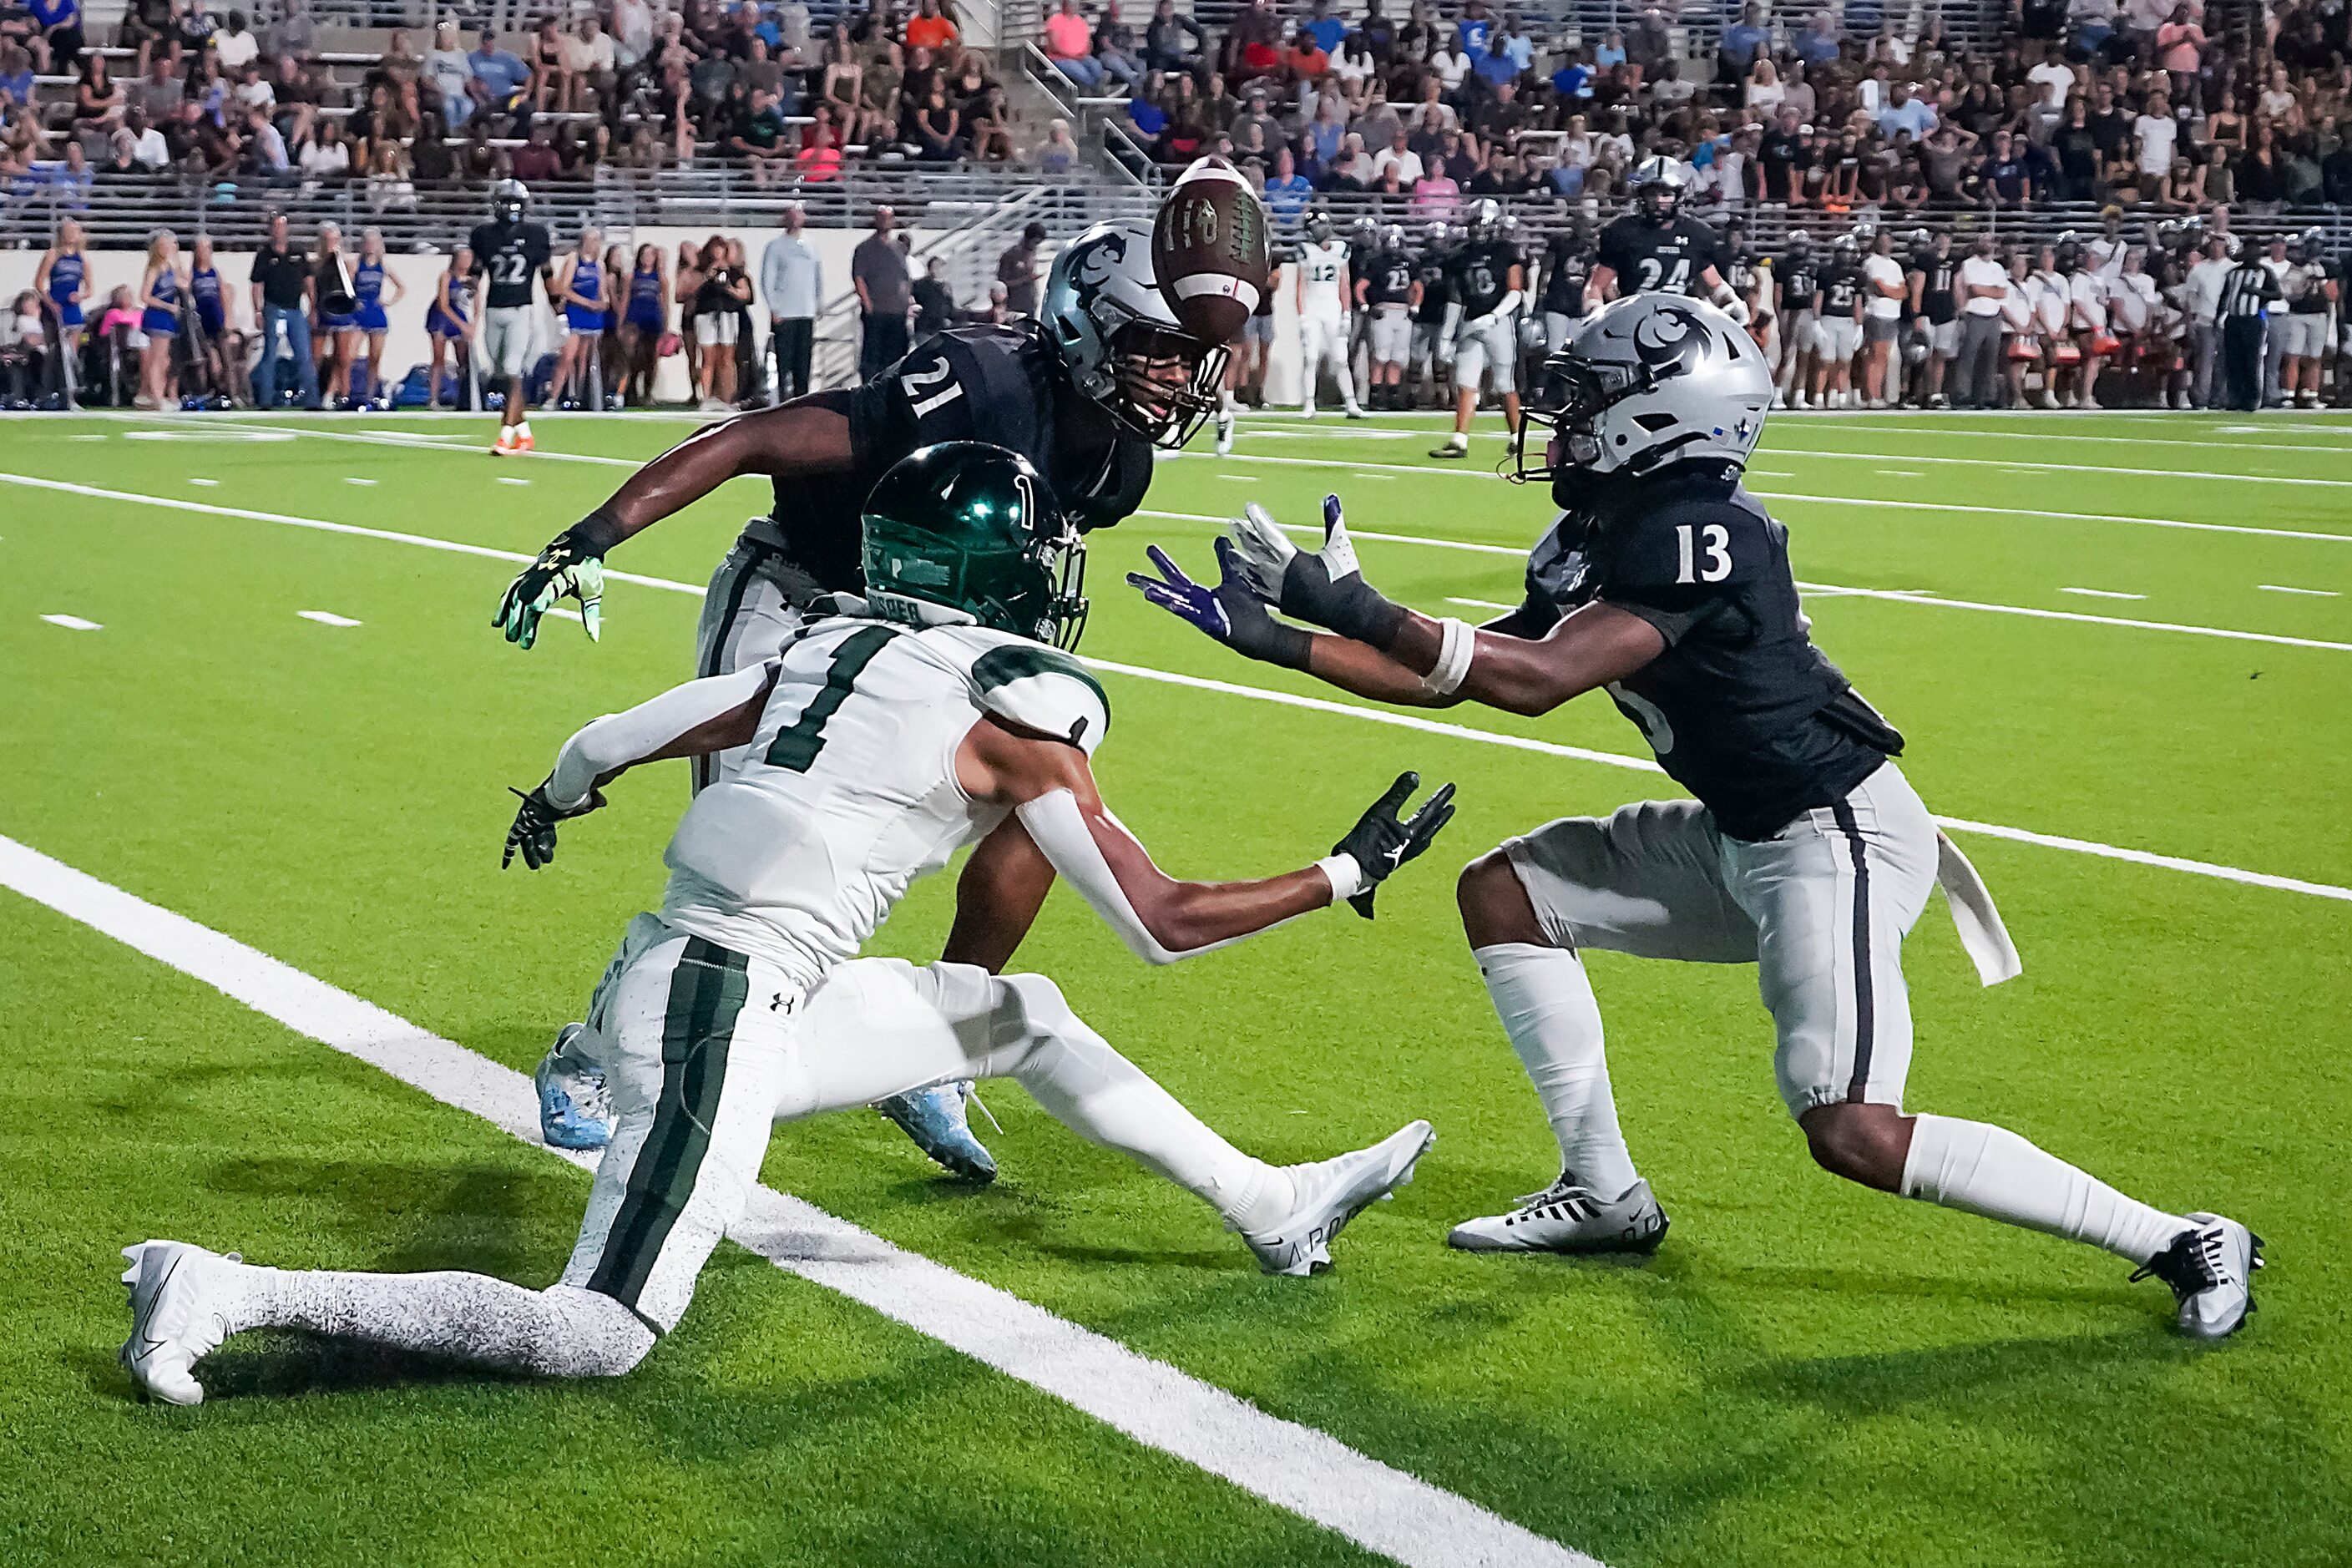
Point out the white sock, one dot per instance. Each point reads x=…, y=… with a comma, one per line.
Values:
x=522, y=431
x=1459, y=438
x=1990, y=1171
x=562, y=1332
x=1105, y=1098
x=1545, y=1005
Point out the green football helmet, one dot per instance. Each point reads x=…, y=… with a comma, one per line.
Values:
x=965, y=532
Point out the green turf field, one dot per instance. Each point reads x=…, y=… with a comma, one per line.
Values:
x=1806, y=1374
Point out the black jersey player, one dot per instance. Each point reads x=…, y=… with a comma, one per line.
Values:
x=1387, y=286
x=1655, y=249
x=1806, y=852
x=511, y=256
x=1434, y=270
x=1796, y=279
x=1567, y=269
x=1083, y=394
x=1489, y=279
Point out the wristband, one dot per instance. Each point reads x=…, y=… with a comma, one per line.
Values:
x=1453, y=655
x=1270, y=641
x=596, y=534
x=1346, y=877
x=1358, y=611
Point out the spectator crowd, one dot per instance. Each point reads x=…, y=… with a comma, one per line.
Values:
x=2075, y=102
x=637, y=84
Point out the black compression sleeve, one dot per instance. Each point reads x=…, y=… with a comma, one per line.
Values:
x=596, y=534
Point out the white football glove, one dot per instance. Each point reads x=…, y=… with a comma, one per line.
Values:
x=1268, y=554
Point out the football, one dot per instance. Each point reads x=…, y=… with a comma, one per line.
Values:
x=1209, y=250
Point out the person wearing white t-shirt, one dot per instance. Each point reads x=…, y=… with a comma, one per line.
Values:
x=2135, y=312
x=2087, y=323
x=1885, y=286
x=2053, y=78
x=1983, y=285
x=2017, y=313
x=2202, y=302
x=2053, y=311
x=2157, y=134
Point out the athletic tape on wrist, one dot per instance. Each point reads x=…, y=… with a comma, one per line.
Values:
x=1453, y=655
x=1346, y=877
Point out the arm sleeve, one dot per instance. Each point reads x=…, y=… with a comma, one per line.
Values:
x=619, y=740
x=1055, y=822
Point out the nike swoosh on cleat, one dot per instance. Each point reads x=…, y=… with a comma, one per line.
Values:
x=151, y=1343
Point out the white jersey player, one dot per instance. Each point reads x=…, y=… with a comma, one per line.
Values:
x=878, y=747
x=1323, y=289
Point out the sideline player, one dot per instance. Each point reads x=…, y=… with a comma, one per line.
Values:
x=1567, y=268
x=1482, y=322
x=1386, y=292
x=1806, y=852
x=1798, y=279
x=513, y=256
x=1083, y=393
x=881, y=744
x=1432, y=354
x=1654, y=248
x=1934, y=278
x=1322, y=289
x=1837, y=324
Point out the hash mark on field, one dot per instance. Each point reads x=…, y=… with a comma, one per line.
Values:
x=1238, y=479
x=355, y=479
x=1295, y=1468
x=327, y=617
x=2282, y=588
x=205, y=484
x=73, y=623
x=510, y=479
x=1902, y=473
x=2102, y=594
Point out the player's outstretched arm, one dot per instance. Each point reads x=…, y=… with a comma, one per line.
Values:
x=1049, y=784
x=806, y=436
x=1381, y=649
x=689, y=720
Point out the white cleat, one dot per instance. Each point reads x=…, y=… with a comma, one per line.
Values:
x=1333, y=1192
x=175, y=1319
x=1565, y=1217
x=1225, y=435
x=2210, y=1268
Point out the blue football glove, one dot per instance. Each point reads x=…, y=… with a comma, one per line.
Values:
x=1229, y=612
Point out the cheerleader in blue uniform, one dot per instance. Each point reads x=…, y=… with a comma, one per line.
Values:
x=368, y=281
x=63, y=279
x=580, y=289
x=646, y=321
x=160, y=290
x=224, y=350
x=446, y=324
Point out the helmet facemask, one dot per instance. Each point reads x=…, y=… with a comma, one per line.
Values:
x=1569, y=400
x=1163, y=382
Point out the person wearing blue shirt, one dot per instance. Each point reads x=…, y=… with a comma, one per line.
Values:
x=1573, y=79
x=1611, y=52
x=1516, y=43
x=1904, y=112
x=1470, y=33
x=1327, y=30
x=1740, y=42
x=1493, y=64
x=1145, y=116
x=499, y=77
x=1818, y=44
x=59, y=22
x=1287, y=191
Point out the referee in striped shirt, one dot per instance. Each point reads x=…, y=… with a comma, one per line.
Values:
x=2246, y=290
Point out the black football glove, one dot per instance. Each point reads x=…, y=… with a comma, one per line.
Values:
x=533, y=832
x=1380, y=842
x=570, y=567
x=1229, y=612
x=1324, y=587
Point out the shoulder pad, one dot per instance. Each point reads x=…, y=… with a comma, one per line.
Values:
x=1689, y=541
x=1036, y=687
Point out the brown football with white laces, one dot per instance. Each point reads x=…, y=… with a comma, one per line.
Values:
x=1209, y=250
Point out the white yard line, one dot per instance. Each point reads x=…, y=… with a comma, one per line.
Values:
x=1983, y=432
x=2101, y=593
x=1315, y=704
x=327, y=617
x=1307, y=1472
x=73, y=623
x=2314, y=592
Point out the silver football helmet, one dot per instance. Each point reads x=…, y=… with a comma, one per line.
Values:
x=510, y=199
x=1647, y=380
x=1658, y=183
x=1487, y=219
x=1119, y=341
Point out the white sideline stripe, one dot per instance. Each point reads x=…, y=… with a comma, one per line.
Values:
x=1840, y=591
x=327, y=617
x=1310, y=1473
x=73, y=623
x=1316, y=704
x=2082, y=469
x=1869, y=457
x=2102, y=594
x=2062, y=516
x=1982, y=433
x=2315, y=593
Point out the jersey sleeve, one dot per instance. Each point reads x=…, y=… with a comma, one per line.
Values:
x=1041, y=689
x=542, y=248
x=1683, y=565
x=478, y=242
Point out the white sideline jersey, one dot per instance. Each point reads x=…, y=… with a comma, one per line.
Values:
x=1319, y=267
x=848, y=791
